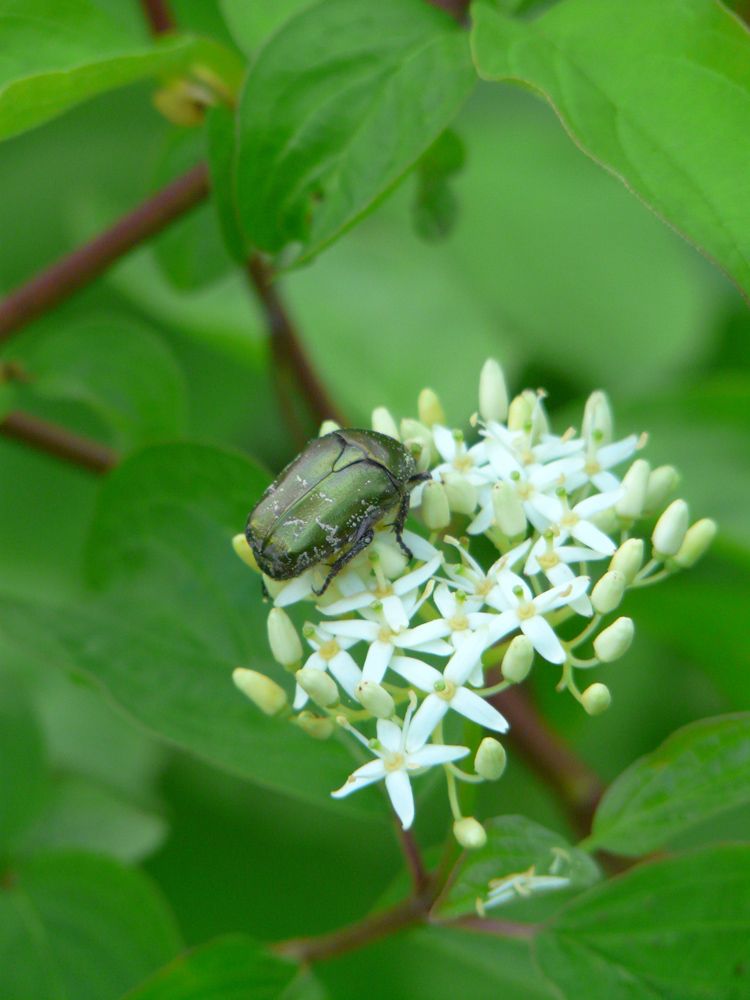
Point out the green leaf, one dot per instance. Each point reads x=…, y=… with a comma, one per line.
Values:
x=176, y=613
x=79, y=927
x=23, y=764
x=514, y=845
x=57, y=53
x=221, y=151
x=435, y=205
x=116, y=366
x=89, y=817
x=252, y=24
x=337, y=106
x=676, y=928
x=652, y=101
x=190, y=251
x=699, y=771
x=229, y=968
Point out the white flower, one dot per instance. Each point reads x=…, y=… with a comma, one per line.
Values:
x=330, y=653
x=469, y=462
x=526, y=612
x=599, y=458
x=395, y=763
x=555, y=561
x=529, y=448
x=574, y=523
x=448, y=691
x=503, y=890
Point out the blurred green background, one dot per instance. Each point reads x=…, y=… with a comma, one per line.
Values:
x=554, y=268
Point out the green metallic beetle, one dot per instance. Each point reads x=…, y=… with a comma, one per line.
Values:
x=328, y=501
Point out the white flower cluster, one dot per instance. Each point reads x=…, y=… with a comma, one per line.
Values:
x=555, y=511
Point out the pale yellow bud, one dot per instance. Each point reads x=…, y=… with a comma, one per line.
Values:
x=597, y=418
x=375, y=699
x=328, y=427
x=608, y=592
x=383, y=422
x=429, y=408
x=413, y=430
x=596, y=699
x=661, y=485
x=243, y=550
x=520, y=410
x=469, y=833
x=518, y=659
x=462, y=494
x=493, y=394
x=283, y=639
x=265, y=693
x=508, y=510
x=490, y=759
x=697, y=541
x=318, y=726
x=635, y=482
x=670, y=530
x=614, y=641
x=319, y=685
x=435, y=510
x=628, y=559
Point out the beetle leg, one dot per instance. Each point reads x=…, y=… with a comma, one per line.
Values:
x=361, y=542
x=398, y=525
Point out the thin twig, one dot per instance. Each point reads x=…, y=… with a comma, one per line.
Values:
x=57, y=441
x=458, y=9
x=577, y=786
x=72, y=272
x=159, y=16
x=497, y=928
x=286, y=348
x=419, y=876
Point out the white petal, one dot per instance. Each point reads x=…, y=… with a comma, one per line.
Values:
x=376, y=662
x=419, y=546
x=577, y=553
x=438, y=647
x=476, y=677
x=427, y=716
x=436, y=753
x=558, y=597
x=394, y=613
x=584, y=532
x=421, y=675
x=444, y=601
x=464, y=660
x=618, y=451
x=362, y=599
x=373, y=771
x=402, y=799
x=346, y=672
x=426, y=632
x=542, y=511
x=504, y=623
x=296, y=590
x=417, y=577
x=543, y=639
x=482, y=522
x=354, y=629
x=389, y=735
x=470, y=705
x=598, y=502
x=605, y=481
x=300, y=698
x=502, y=462
x=507, y=582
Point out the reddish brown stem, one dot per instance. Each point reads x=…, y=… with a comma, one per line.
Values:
x=458, y=9
x=285, y=344
x=419, y=876
x=59, y=442
x=59, y=281
x=159, y=16
x=574, y=782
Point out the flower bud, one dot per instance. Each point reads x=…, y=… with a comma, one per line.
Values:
x=429, y=408
x=696, y=543
x=596, y=699
x=635, y=482
x=243, y=550
x=670, y=530
x=286, y=648
x=461, y=493
x=614, y=641
x=319, y=685
x=392, y=560
x=628, y=559
x=508, y=510
x=435, y=510
x=606, y=521
x=383, y=423
x=328, y=427
x=539, y=418
x=519, y=411
x=420, y=452
x=320, y=727
x=265, y=693
x=375, y=699
x=493, y=394
x=518, y=659
x=469, y=833
x=183, y=102
x=608, y=592
x=597, y=418
x=661, y=485
x=413, y=430
x=490, y=759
